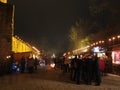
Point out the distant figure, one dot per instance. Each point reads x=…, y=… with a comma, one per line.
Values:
x=79, y=67
x=30, y=65
x=88, y=69
x=10, y=63
x=66, y=65
x=74, y=68
x=106, y=65
x=35, y=63
x=22, y=64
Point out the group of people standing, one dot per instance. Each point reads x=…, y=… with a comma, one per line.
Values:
x=26, y=65
x=86, y=69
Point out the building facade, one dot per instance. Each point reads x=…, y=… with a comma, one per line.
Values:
x=6, y=28
x=10, y=44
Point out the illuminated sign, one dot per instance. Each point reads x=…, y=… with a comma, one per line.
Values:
x=98, y=49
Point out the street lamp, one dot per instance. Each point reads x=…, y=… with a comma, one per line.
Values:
x=109, y=41
x=113, y=38
x=118, y=38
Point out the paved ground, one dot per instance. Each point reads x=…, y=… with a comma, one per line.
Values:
x=50, y=79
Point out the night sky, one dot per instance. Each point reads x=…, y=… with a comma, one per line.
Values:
x=46, y=23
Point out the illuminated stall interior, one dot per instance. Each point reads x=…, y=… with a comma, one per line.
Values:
x=21, y=48
x=3, y=1
x=115, y=54
x=116, y=57
x=99, y=51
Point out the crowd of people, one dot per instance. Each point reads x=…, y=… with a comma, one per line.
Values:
x=82, y=68
x=85, y=69
x=25, y=65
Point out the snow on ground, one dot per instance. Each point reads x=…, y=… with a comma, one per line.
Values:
x=51, y=79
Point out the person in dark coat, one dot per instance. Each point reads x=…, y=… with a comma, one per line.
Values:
x=22, y=63
x=30, y=65
x=73, y=68
x=35, y=63
x=79, y=63
x=96, y=70
x=88, y=70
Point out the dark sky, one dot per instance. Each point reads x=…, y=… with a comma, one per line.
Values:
x=46, y=23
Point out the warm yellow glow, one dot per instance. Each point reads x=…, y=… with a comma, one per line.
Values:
x=100, y=54
x=68, y=52
x=115, y=57
x=8, y=57
x=64, y=54
x=109, y=40
x=102, y=41
x=12, y=24
x=113, y=38
x=52, y=65
x=99, y=41
x=83, y=49
x=36, y=50
x=93, y=43
x=118, y=36
x=19, y=46
x=3, y=1
x=96, y=43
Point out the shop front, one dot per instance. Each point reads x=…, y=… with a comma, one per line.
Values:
x=116, y=57
x=116, y=60
x=103, y=53
x=100, y=51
